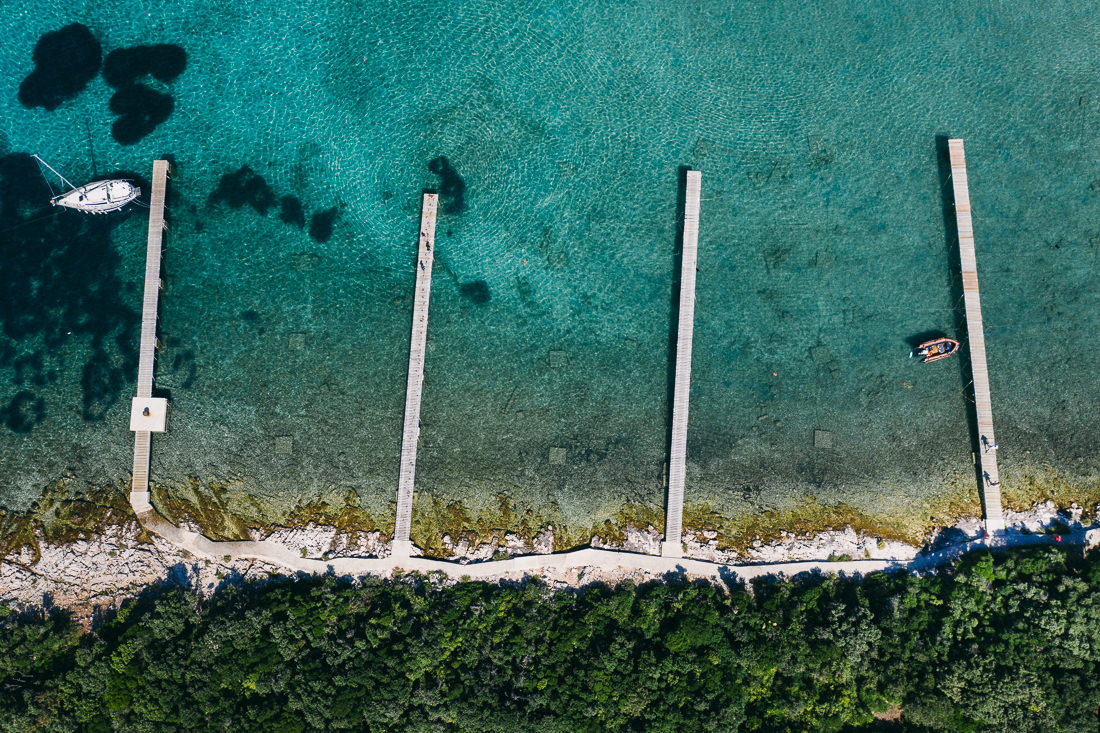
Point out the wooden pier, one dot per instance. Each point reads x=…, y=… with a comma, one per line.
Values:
x=987, y=443
x=148, y=413
x=677, y=464
x=402, y=546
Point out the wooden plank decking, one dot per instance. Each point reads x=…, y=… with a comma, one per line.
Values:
x=677, y=464
x=148, y=347
x=991, y=482
x=411, y=435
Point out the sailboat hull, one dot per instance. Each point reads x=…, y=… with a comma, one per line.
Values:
x=98, y=197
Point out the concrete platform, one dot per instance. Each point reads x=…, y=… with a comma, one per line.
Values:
x=148, y=414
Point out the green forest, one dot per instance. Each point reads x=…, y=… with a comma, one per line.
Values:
x=1000, y=641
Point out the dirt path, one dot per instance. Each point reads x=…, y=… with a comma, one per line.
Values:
x=606, y=560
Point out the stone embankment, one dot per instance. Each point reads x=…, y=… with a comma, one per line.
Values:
x=120, y=562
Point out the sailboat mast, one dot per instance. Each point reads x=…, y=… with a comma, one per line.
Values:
x=63, y=178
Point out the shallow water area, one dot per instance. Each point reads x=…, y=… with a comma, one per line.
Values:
x=564, y=126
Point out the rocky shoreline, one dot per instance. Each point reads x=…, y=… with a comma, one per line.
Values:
x=122, y=560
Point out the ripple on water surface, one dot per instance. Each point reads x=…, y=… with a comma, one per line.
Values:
x=555, y=132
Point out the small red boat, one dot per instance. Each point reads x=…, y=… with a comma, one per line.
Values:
x=936, y=349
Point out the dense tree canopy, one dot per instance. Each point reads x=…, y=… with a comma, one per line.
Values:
x=1000, y=642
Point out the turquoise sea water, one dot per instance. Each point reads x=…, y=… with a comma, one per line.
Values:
x=822, y=249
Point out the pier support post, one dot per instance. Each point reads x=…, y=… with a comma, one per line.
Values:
x=677, y=466
x=402, y=545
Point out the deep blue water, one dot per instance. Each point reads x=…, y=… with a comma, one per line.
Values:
x=563, y=126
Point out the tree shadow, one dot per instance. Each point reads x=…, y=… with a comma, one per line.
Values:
x=948, y=537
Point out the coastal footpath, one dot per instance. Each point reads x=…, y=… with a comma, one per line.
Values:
x=126, y=558
x=1003, y=640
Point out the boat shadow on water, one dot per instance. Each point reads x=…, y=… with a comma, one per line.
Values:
x=917, y=339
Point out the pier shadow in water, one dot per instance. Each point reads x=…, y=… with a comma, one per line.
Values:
x=674, y=317
x=958, y=309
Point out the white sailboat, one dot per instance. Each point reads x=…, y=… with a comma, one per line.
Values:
x=97, y=197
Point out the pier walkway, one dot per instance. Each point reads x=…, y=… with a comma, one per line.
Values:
x=411, y=436
x=147, y=413
x=987, y=450
x=677, y=463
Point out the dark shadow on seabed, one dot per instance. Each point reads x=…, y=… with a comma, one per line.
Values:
x=958, y=309
x=674, y=321
x=919, y=338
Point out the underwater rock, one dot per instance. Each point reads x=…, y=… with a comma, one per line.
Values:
x=291, y=212
x=23, y=412
x=142, y=109
x=28, y=367
x=59, y=282
x=65, y=61
x=163, y=61
x=103, y=380
x=820, y=354
x=23, y=190
x=184, y=363
x=477, y=291
x=244, y=186
x=305, y=261
x=320, y=225
x=451, y=186
x=823, y=439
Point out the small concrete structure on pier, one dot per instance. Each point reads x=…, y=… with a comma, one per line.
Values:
x=677, y=464
x=991, y=481
x=402, y=545
x=147, y=413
